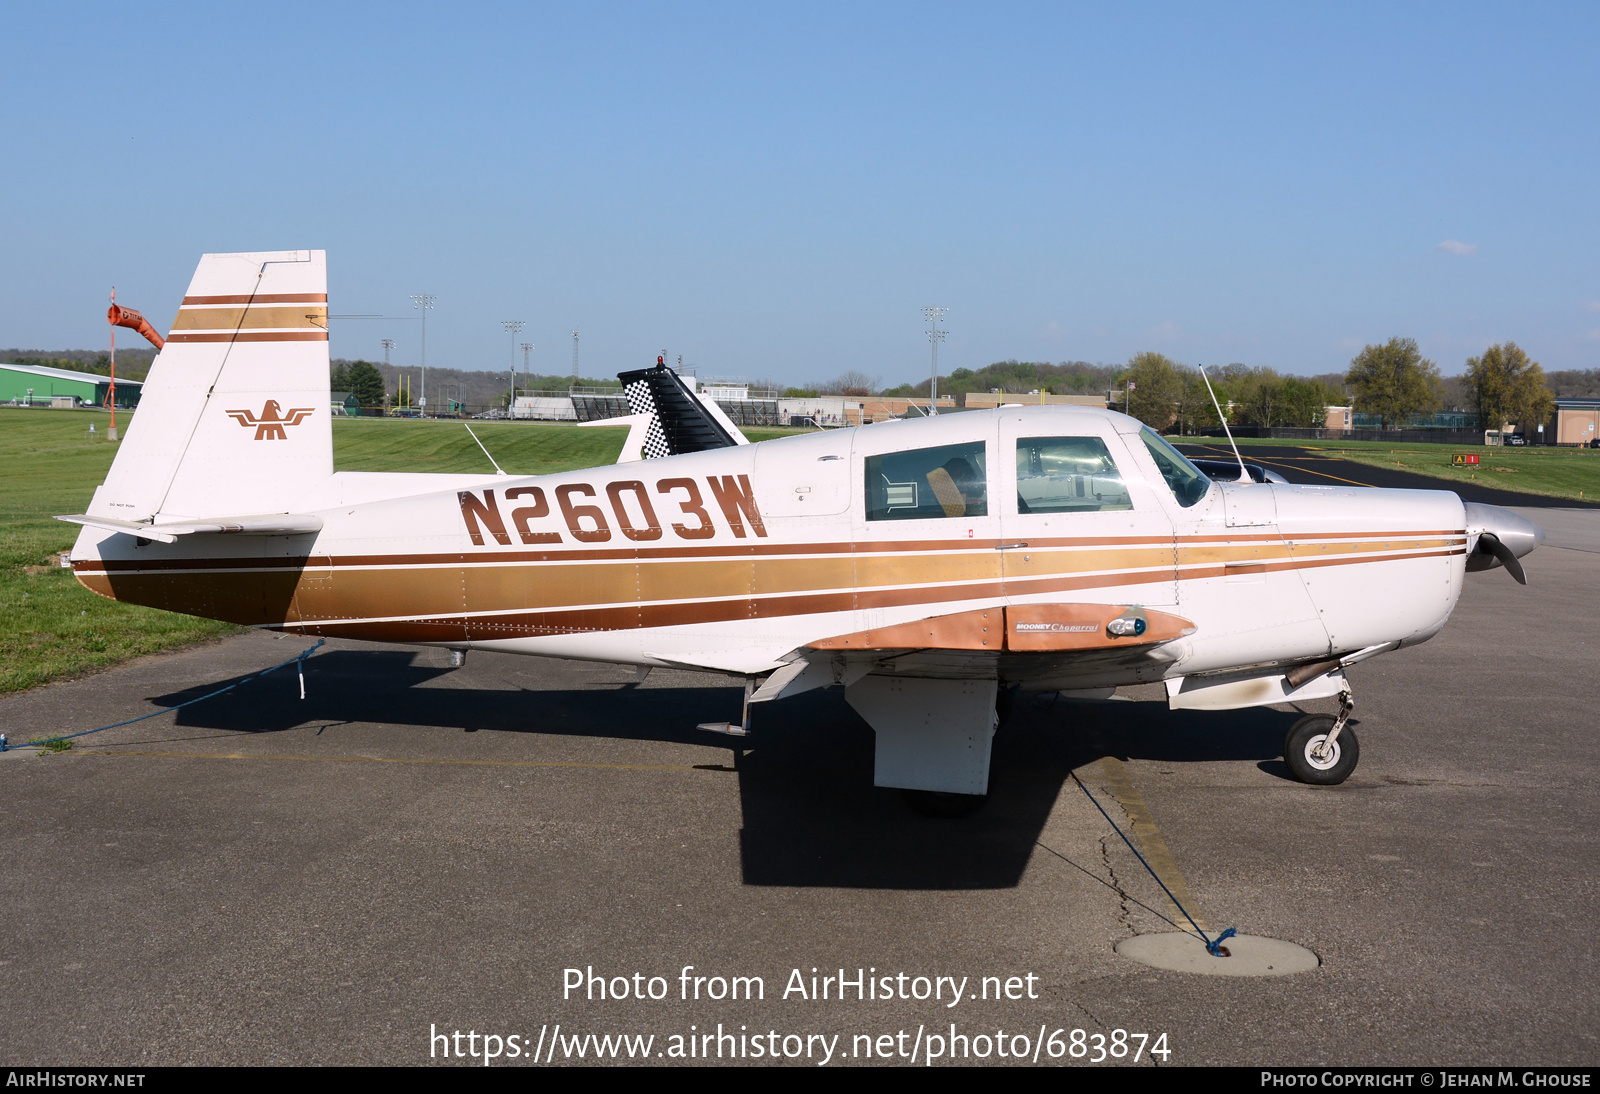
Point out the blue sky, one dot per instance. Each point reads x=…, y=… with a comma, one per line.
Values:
x=778, y=191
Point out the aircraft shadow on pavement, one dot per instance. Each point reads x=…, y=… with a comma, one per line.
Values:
x=810, y=814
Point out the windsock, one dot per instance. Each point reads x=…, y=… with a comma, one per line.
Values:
x=127, y=317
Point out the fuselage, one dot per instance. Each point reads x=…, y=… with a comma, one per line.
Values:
x=733, y=559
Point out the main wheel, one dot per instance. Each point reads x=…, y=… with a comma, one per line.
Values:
x=937, y=803
x=1304, y=738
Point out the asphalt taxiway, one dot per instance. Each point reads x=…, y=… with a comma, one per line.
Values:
x=1317, y=467
x=259, y=878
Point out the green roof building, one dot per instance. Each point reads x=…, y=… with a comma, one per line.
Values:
x=36, y=385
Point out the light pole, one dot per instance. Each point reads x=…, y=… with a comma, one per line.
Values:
x=423, y=302
x=935, y=336
x=388, y=344
x=513, y=327
x=527, y=348
x=574, y=358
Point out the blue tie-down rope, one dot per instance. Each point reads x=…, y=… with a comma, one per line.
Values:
x=1213, y=945
x=299, y=657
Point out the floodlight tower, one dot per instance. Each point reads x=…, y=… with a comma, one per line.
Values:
x=423, y=302
x=513, y=327
x=388, y=344
x=527, y=348
x=574, y=357
x=935, y=336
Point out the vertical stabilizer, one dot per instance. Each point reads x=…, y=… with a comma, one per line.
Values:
x=683, y=422
x=234, y=416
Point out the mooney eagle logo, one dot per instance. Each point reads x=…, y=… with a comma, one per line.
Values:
x=271, y=424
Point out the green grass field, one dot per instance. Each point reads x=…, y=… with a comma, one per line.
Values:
x=52, y=628
x=1554, y=472
x=521, y=448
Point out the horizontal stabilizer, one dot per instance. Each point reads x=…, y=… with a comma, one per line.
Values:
x=638, y=429
x=272, y=524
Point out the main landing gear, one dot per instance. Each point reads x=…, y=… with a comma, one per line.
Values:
x=1321, y=749
x=947, y=806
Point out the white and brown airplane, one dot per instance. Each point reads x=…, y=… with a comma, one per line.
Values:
x=928, y=567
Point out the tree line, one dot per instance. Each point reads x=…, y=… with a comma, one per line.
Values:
x=132, y=364
x=1391, y=381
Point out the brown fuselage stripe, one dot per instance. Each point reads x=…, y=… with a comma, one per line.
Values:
x=730, y=550
x=651, y=616
x=262, y=298
x=1191, y=573
x=307, y=603
x=428, y=591
x=254, y=317
x=253, y=336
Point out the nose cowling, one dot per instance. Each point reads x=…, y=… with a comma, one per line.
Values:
x=1498, y=537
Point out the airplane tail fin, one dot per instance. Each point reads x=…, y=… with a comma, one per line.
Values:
x=234, y=415
x=683, y=421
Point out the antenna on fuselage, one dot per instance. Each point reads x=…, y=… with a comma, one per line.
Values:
x=485, y=451
x=1244, y=476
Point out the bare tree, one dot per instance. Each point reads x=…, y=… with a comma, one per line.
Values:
x=852, y=383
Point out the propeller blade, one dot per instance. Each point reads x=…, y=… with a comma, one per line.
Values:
x=1489, y=543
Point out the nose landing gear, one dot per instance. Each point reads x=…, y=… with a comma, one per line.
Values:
x=1323, y=750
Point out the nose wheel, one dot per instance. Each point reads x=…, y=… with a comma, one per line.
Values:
x=1322, y=749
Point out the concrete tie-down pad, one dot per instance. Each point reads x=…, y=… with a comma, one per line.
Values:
x=931, y=734
x=1249, y=955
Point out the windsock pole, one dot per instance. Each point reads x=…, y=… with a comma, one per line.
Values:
x=125, y=317
x=111, y=393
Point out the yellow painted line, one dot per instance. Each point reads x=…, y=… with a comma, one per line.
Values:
x=1148, y=837
x=1324, y=474
x=1307, y=470
x=404, y=760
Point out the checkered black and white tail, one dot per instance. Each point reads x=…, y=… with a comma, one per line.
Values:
x=642, y=401
x=680, y=421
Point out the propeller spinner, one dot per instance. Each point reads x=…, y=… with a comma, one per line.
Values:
x=1500, y=537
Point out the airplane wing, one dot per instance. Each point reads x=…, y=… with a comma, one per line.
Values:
x=1060, y=643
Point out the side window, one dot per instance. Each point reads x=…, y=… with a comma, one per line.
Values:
x=1068, y=475
x=948, y=481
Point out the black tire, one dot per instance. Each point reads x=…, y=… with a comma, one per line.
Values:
x=1304, y=735
x=937, y=803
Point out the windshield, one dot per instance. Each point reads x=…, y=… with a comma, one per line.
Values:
x=1188, y=484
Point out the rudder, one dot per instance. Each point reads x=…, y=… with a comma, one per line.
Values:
x=234, y=417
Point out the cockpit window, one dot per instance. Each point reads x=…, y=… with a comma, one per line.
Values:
x=928, y=483
x=1188, y=484
x=1068, y=475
